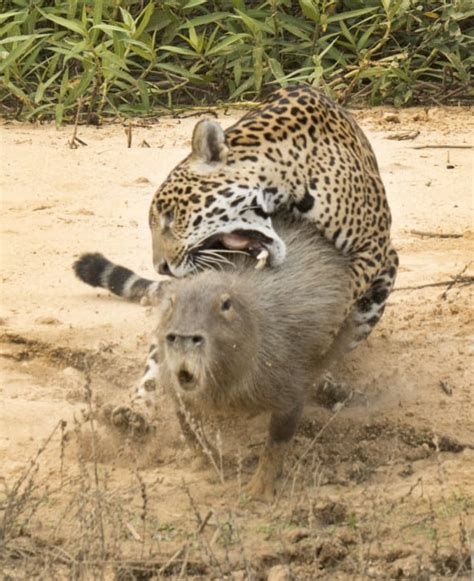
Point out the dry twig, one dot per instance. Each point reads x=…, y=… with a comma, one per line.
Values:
x=443, y=147
x=424, y=234
x=458, y=278
x=405, y=136
x=75, y=139
x=462, y=280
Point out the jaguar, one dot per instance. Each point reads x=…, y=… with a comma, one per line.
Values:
x=297, y=154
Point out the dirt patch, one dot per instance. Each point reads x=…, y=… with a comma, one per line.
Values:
x=379, y=482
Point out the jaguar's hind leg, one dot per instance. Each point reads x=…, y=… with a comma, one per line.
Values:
x=369, y=309
x=360, y=322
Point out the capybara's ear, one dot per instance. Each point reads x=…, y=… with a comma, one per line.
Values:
x=209, y=144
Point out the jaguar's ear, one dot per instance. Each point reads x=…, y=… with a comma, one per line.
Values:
x=209, y=142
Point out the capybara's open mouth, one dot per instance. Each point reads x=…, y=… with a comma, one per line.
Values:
x=186, y=380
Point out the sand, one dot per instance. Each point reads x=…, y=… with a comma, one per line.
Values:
x=383, y=488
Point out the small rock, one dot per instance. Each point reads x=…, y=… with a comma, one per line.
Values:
x=297, y=535
x=408, y=567
x=332, y=512
x=420, y=117
x=331, y=552
x=279, y=573
x=142, y=180
x=75, y=395
x=407, y=471
x=446, y=387
x=47, y=321
x=72, y=372
x=391, y=118
x=238, y=575
x=348, y=537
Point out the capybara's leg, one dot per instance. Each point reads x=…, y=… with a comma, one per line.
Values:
x=270, y=465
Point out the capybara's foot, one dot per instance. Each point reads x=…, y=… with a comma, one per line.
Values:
x=261, y=487
x=270, y=466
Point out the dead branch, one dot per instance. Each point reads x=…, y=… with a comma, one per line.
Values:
x=408, y=135
x=75, y=139
x=458, y=278
x=203, y=524
x=196, y=114
x=442, y=147
x=462, y=280
x=170, y=561
x=426, y=234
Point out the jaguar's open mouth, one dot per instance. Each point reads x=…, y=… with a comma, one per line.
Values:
x=250, y=242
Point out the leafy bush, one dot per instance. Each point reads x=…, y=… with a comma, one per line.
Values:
x=130, y=56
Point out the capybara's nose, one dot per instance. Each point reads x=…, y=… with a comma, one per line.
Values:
x=184, y=342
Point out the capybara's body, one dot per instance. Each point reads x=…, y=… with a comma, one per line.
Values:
x=254, y=340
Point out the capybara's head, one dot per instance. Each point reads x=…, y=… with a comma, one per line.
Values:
x=207, y=332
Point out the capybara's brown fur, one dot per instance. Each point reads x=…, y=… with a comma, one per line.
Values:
x=254, y=340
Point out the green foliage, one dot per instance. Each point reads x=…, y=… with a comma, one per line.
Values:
x=128, y=57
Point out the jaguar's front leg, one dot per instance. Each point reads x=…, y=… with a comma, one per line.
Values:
x=145, y=394
x=139, y=417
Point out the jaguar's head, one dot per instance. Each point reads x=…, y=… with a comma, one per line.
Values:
x=207, y=210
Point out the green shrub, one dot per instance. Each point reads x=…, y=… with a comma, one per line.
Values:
x=126, y=57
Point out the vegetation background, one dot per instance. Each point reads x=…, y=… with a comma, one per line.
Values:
x=123, y=57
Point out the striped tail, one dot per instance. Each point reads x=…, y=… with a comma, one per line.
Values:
x=96, y=270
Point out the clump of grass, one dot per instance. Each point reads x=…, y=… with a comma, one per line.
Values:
x=124, y=57
x=85, y=525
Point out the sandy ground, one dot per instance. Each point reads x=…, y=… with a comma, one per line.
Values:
x=382, y=488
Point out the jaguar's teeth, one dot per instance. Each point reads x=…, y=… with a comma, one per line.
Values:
x=262, y=258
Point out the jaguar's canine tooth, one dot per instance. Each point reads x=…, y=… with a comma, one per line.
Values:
x=262, y=258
